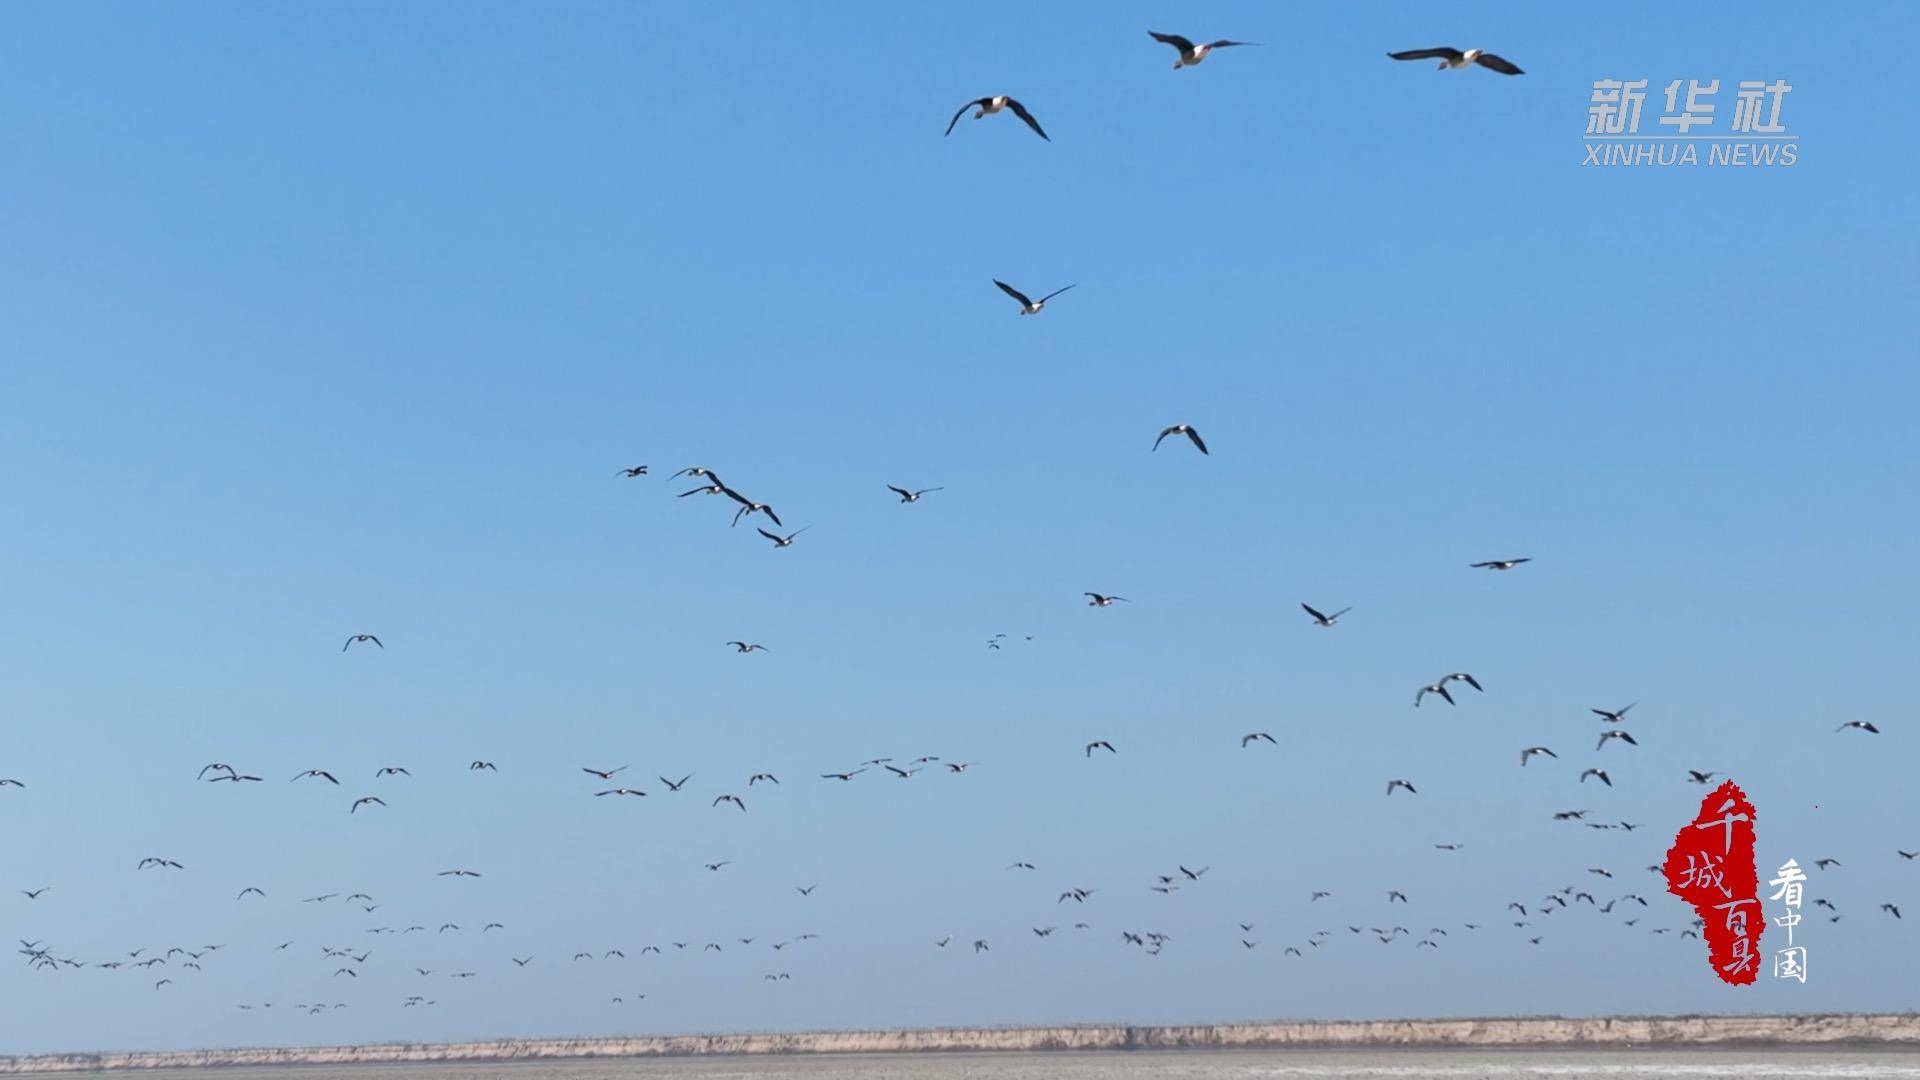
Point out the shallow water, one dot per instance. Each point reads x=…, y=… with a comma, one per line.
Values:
x=1795, y=1064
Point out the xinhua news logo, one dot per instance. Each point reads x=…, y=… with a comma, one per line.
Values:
x=1688, y=131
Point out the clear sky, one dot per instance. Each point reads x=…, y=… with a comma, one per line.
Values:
x=321, y=320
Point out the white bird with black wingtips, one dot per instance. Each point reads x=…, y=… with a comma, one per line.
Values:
x=1029, y=307
x=1456, y=59
x=990, y=105
x=1191, y=54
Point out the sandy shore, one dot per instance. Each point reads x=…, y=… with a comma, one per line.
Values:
x=1696, y=1031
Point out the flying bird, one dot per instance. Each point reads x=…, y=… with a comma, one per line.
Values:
x=911, y=496
x=364, y=800
x=1861, y=724
x=1182, y=429
x=604, y=774
x=1532, y=750
x=1698, y=777
x=1437, y=688
x=841, y=775
x=1250, y=737
x=671, y=786
x=748, y=506
x=1391, y=784
x=1621, y=735
x=1028, y=307
x=1613, y=717
x=1325, y=620
x=1601, y=773
x=321, y=773
x=360, y=637
x=744, y=647
x=1095, y=599
x=1455, y=59
x=734, y=799
x=619, y=791
x=637, y=470
x=990, y=105
x=1100, y=744
x=696, y=471
x=481, y=765
x=1191, y=54
x=783, y=541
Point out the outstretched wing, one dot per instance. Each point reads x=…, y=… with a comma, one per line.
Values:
x=1055, y=293
x=1444, y=52
x=1013, y=292
x=1020, y=111
x=1496, y=63
x=963, y=112
x=1195, y=436
x=1175, y=40
x=903, y=492
x=1223, y=43
x=1317, y=616
x=1164, y=434
x=768, y=535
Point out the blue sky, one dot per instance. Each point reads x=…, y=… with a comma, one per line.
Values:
x=317, y=321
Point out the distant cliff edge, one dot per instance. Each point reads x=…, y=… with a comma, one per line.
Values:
x=1538, y=1032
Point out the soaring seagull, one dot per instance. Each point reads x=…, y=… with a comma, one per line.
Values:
x=1532, y=750
x=990, y=105
x=1028, y=307
x=1861, y=724
x=1095, y=599
x=1391, y=784
x=1324, y=620
x=1191, y=54
x=744, y=647
x=1498, y=564
x=1100, y=744
x=783, y=541
x=911, y=496
x=1182, y=429
x=1621, y=735
x=1451, y=57
x=360, y=637
x=1612, y=717
x=748, y=506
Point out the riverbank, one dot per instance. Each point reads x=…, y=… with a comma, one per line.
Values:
x=1625, y=1031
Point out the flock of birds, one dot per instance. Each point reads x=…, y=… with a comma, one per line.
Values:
x=1530, y=916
